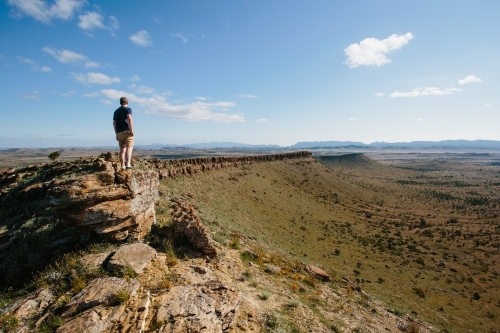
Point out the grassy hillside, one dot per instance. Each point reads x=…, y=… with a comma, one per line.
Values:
x=423, y=240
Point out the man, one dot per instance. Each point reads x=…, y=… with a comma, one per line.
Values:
x=124, y=129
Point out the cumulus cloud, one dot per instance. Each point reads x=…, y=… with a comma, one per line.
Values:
x=352, y=119
x=197, y=111
x=180, y=36
x=246, y=96
x=427, y=91
x=141, y=38
x=35, y=95
x=200, y=98
x=44, y=12
x=70, y=57
x=95, y=20
x=135, y=78
x=469, y=79
x=95, y=78
x=379, y=94
x=373, y=51
x=34, y=65
x=261, y=120
x=142, y=89
x=69, y=93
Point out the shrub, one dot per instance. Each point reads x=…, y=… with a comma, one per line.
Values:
x=418, y=291
x=122, y=296
x=476, y=296
x=9, y=323
x=54, y=155
x=264, y=295
x=50, y=324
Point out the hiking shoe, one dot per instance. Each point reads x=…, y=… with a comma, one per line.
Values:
x=130, y=168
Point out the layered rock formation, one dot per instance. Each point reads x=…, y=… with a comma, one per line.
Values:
x=191, y=166
x=115, y=206
x=187, y=224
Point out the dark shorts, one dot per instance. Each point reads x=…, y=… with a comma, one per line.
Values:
x=125, y=140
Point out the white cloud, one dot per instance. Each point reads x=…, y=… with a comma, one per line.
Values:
x=246, y=96
x=261, y=120
x=158, y=104
x=180, y=36
x=69, y=93
x=91, y=95
x=352, y=119
x=379, y=94
x=70, y=57
x=419, y=119
x=95, y=20
x=113, y=23
x=373, y=52
x=469, y=79
x=427, y=91
x=41, y=11
x=34, y=95
x=142, y=89
x=105, y=101
x=141, y=38
x=34, y=65
x=487, y=104
x=26, y=60
x=201, y=98
x=95, y=78
x=135, y=78
x=91, y=20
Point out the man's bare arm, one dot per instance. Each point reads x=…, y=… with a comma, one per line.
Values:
x=130, y=124
x=114, y=125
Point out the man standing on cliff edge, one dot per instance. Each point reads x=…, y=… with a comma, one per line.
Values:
x=124, y=129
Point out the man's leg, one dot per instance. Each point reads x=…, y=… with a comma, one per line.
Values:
x=123, y=151
x=128, y=156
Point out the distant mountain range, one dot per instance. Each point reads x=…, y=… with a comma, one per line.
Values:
x=485, y=144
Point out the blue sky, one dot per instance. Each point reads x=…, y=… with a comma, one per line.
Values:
x=257, y=72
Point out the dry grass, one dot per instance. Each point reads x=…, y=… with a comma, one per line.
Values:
x=386, y=223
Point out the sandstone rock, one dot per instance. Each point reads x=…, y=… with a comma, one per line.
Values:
x=137, y=256
x=94, y=260
x=128, y=317
x=100, y=291
x=187, y=224
x=318, y=272
x=30, y=308
x=209, y=307
x=114, y=206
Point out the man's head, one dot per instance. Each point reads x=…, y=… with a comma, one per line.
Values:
x=123, y=101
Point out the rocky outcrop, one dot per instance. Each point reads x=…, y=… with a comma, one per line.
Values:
x=115, y=206
x=191, y=166
x=207, y=307
x=134, y=256
x=318, y=272
x=187, y=225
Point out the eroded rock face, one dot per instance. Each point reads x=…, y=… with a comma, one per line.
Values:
x=318, y=272
x=115, y=206
x=100, y=291
x=187, y=224
x=208, y=307
x=137, y=256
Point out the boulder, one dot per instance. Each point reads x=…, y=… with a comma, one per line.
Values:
x=94, y=261
x=115, y=206
x=100, y=291
x=129, y=316
x=318, y=272
x=208, y=307
x=136, y=256
x=187, y=224
x=30, y=308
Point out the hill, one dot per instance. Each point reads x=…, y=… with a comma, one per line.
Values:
x=401, y=246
